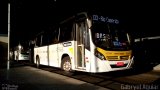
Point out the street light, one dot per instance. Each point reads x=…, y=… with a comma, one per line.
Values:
x=19, y=47
x=8, y=62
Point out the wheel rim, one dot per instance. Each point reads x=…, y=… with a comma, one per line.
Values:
x=67, y=66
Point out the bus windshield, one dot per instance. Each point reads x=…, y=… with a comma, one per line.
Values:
x=24, y=53
x=109, y=36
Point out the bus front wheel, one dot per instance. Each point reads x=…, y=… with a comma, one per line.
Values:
x=66, y=64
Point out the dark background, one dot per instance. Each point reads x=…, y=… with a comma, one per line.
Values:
x=3, y=17
x=28, y=17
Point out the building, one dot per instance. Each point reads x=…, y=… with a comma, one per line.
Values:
x=3, y=47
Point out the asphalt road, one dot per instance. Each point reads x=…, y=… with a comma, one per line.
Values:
x=30, y=78
x=25, y=76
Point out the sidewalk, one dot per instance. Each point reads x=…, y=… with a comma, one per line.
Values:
x=12, y=63
x=29, y=78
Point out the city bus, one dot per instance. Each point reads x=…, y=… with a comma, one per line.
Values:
x=87, y=42
x=21, y=53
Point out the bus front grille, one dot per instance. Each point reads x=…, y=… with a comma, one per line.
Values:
x=124, y=57
x=113, y=58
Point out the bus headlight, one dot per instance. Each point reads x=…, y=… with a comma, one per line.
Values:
x=99, y=55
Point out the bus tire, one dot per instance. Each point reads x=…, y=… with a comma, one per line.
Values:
x=66, y=64
x=37, y=61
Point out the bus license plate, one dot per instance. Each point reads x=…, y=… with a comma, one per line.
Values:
x=120, y=64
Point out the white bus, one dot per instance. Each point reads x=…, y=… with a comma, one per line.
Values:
x=85, y=42
x=21, y=54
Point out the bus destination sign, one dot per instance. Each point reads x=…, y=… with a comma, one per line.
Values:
x=105, y=19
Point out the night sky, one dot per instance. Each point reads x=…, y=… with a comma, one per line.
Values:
x=3, y=17
x=28, y=17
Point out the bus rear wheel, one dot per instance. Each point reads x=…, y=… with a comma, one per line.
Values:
x=37, y=61
x=66, y=64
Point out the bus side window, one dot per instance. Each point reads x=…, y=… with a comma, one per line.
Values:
x=53, y=36
x=66, y=32
x=55, y=40
x=38, y=40
x=45, y=39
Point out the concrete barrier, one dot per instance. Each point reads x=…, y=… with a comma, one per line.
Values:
x=157, y=67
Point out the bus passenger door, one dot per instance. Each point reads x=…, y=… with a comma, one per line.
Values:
x=80, y=28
